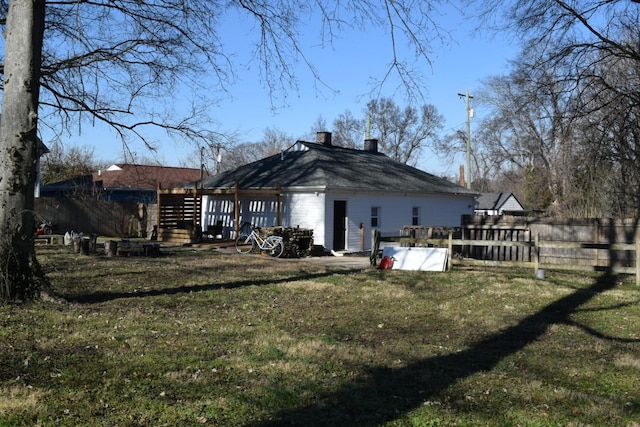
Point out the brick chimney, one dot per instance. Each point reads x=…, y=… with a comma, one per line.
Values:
x=324, y=138
x=371, y=145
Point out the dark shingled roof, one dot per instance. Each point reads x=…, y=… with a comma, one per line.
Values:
x=492, y=201
x=144, y=177
x=126, y=177
x=313, y=165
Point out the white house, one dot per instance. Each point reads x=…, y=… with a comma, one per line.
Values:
x=340, y=193
x=497, y=204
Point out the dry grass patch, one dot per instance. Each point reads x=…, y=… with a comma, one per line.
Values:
x=628, y=361
x=313, y=348
x=16, y=399
x=309, y=285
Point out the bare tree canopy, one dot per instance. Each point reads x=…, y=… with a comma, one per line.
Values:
x=348, y=131
x=402, y=133
x=567, y=116
x=122, y=62
x=63, y=162
x=575, y=33
x=273, y=142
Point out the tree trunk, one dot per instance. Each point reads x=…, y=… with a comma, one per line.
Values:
x=21, y=276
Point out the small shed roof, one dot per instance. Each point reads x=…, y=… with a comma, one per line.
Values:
x=493, y=201
x=312, y=165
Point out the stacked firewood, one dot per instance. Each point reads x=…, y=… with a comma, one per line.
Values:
x=298, y=242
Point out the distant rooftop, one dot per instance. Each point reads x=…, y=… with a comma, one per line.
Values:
x=144, y=177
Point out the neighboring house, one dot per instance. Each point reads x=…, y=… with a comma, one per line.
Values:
x=497, y=204
x=340, y=193
x=123, y=182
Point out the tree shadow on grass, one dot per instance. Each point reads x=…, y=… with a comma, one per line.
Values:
x=388, y=393
x=100, y=297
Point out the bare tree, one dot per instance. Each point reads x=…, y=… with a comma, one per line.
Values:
x=273, y=142
x=590, y=51
x=62, y=162
x=529, y=127
x=320, y=125
x=120, y=62
x=348, y=131
x=403, y=132
x=610, y=134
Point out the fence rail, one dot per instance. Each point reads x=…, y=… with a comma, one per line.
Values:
x=614, y=265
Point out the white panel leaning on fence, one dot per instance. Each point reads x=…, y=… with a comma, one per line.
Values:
x=422, y=259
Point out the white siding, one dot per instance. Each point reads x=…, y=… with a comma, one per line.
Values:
x=395, y=213
x=314, y=210
x=510, y=205
x=305, y=210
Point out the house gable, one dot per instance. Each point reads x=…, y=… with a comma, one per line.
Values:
x=496, y=203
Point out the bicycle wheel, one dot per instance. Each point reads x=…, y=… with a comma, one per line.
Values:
x=244, y=244
x=273, y=246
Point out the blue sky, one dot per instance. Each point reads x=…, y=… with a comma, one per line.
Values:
x=348, y=68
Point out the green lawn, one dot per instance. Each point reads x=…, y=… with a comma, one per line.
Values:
x=205, y=338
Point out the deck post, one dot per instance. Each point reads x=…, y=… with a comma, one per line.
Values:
x=450, y=247
x=536, y=253
x=375, y=245
x=637, y=257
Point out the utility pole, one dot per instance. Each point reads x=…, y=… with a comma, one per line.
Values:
x=218, y=158
x=468, y=98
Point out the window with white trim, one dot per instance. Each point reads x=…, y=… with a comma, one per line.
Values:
x=415, y=215
x=375, y=216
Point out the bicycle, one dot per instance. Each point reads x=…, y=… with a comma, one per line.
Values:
x=271, y=245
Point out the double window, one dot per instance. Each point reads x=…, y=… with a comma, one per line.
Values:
x=375, y=216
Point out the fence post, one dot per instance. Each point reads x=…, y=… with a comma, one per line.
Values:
x=597, y=240
x=375, y=245
x=450, y=258
x=536, y=254
x=637, y=258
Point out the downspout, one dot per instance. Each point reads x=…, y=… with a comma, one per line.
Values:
x=236, y=213
x=279, y=207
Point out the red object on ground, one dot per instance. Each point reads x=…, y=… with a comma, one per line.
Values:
x=386, y=263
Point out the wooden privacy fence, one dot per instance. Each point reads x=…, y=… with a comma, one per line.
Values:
x=91, y=216
x=527, y=252
x=579, y=230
